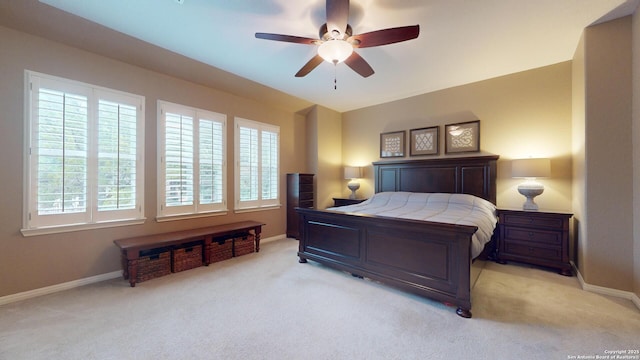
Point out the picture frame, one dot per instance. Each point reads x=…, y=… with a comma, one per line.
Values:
x=424, y=141
x=392, y=144
x=462, y=137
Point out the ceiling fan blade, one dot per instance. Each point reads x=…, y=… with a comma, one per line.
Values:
x=310, y=65
x=287, y=38
x=385, y=37
x=337, y=16
x=359, y=65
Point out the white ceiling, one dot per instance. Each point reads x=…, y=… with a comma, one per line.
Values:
x=461, y=41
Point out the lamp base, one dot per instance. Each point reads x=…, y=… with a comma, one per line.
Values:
x=353, y=186
x=530, y=191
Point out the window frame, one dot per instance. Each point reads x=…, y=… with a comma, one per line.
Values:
x=196, y=209
x=259, y=203
x=91, y=217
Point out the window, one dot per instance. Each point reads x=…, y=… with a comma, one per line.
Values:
x=191, y=175
x=257, y=169
x=84, y=155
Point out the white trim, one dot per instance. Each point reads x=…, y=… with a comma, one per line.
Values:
x=59, y=287
x=80, y=227
x=190, y=216
x=273, y=238
x=628, y=295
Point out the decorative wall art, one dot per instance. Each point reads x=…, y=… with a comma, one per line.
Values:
x=392, y=144
x=462, y=137
x=424, y=141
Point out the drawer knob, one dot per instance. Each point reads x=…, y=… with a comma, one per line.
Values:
x=531, y=234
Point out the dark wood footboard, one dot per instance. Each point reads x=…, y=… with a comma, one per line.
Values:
x=429, y=259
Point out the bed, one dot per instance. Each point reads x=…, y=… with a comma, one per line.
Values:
x=429, y=258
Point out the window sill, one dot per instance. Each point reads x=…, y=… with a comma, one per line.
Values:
x=165, y=218
x=260, y=208
x=79, y=227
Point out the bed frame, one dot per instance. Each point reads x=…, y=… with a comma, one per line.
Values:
x=427, y=258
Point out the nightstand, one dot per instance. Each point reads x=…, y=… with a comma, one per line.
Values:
x=343, y=202
x=534, y=237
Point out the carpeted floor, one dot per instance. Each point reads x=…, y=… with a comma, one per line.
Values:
x=268, y=306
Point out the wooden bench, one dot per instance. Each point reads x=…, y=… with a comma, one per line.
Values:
x=131, y=247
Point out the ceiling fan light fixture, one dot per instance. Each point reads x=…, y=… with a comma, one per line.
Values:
x=335, y=51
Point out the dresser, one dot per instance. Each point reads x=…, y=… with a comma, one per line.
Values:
x=300, y=193
x=534, y=237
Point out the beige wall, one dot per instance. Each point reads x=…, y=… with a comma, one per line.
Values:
x=39, y=261
x=324, y=146
x=607, y=231
x=636, y=150
x=521, y=115
x=580, y=234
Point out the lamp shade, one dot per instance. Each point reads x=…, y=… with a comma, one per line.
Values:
x=531, y=168
x=335, y=51
x=352, y=172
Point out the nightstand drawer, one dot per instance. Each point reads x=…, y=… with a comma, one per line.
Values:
x=535, y=236
x=306, y=203
x=516, y=248
x=533, y=221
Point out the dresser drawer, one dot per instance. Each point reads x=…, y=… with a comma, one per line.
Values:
x=306, y=188
x=528, y=251
x=306, y=196
x=534, y=236
x=306, y=204
x=533, y=221
x=305, y=180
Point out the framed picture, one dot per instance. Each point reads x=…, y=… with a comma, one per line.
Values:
x=462, y=137
x=392, y=144
x=424, y=141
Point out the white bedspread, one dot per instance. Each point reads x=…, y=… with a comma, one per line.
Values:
x=461, y=209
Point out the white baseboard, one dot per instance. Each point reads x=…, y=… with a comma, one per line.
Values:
x=273, y=238
x=59, y=287
x=628, y=295
x=86, y=281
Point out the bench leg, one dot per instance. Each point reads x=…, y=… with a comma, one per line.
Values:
x=133, y=271
x=258, y=240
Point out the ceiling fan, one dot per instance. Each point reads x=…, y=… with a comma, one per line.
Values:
x=336, y=42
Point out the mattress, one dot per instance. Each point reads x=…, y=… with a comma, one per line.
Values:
x=460, y=209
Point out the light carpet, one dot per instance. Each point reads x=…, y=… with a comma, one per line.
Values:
x=268, y=306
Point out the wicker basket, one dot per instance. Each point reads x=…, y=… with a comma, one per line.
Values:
x=153, y=263
x=186, y=256
x=244, y=245
x=220, y=249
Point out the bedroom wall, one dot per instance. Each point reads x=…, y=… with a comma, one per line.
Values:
x=580, y=234
x=636, y=150
x=608, y=157
x=40, y=261
x=521, y=115
x=324, y=134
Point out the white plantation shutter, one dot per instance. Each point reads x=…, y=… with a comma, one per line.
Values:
x=269, y=165
x=257, y=164
x=59, y=154
x=179, y=159
x=248, y=159
x=83, y=159
x=192, y=173
x=119, y=148
x=212, y=162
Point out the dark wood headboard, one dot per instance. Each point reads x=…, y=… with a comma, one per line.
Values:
x=475, y=175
